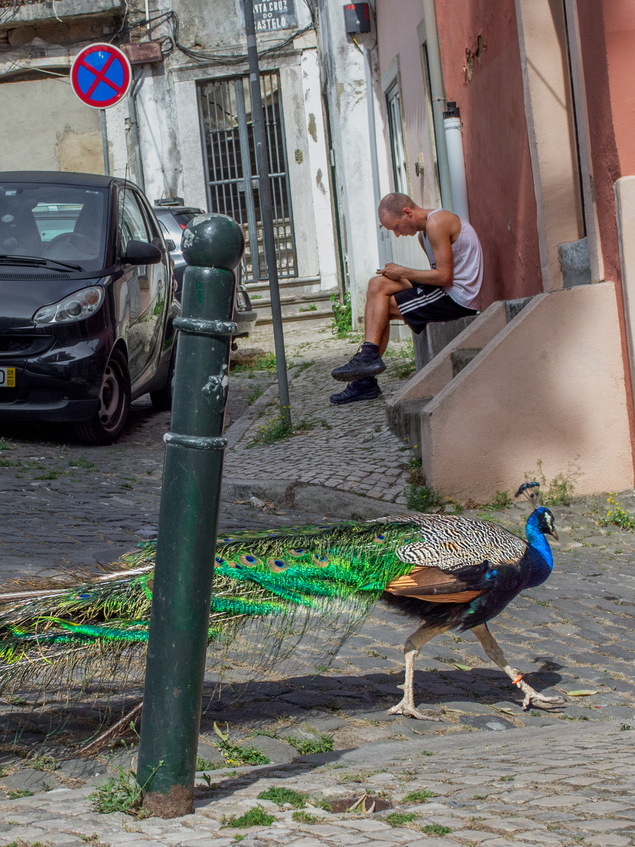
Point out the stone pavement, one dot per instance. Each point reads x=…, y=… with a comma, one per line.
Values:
x=498, y=775
x=347, y=448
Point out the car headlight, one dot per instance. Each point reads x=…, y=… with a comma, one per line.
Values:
x=78, y=306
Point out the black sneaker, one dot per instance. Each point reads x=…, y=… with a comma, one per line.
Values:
x=362, y=389
x=365, y=363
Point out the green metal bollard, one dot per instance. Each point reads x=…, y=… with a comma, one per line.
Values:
x=212, y=245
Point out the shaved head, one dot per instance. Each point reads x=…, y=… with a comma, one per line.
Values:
x=394, y=204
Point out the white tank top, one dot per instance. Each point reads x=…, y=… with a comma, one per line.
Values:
x=468, y=265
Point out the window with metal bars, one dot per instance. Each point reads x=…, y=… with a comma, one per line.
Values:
x=232, y=173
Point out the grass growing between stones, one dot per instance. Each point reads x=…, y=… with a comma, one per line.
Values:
x=418, y=796
x=436, y=829
x=284, y=795
x=420, y=497
x=305, y=746
x=256, y=816
x=305, y=817
x=121, y=794
x=400, y=818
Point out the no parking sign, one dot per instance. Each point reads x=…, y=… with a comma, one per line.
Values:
x=100, y=75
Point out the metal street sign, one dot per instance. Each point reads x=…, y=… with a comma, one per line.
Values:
x=100, y=75
x=272, y=15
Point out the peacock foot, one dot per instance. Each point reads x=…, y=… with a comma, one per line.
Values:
x=532, y=698
x=410, y=711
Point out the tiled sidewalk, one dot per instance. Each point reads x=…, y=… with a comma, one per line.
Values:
x=349, y=448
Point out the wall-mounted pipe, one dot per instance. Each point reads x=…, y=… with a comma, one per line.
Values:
x=438, y=102
x=456, y=159
x=134, y=123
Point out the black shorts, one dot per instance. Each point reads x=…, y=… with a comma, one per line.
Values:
x=422, y=304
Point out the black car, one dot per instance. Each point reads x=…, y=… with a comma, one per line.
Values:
x=86, y=302
x=173, y=217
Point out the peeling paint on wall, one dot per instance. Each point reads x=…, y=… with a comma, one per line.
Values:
x=312, y=127
x=318, y=181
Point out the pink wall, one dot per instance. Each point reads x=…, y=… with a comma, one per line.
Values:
x=499, y=175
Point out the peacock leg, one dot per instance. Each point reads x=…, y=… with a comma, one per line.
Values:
x=411, y=649
x=493, y=650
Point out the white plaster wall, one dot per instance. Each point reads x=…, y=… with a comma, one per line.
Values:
x=345, y=77
x=549, y=387
x=319, y=165
x=299, y=170
x=192, y=186
x=156, y=113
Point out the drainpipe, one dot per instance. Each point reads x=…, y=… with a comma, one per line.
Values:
x=134, y=123
x=456, y=160
x=438, y=102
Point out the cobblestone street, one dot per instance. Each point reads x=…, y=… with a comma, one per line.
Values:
x=490, y=773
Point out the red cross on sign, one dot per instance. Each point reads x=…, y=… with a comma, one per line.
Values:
x=100, y=75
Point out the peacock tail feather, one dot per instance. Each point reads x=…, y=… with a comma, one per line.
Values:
x=291, y=592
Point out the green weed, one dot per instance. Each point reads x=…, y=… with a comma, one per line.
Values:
x=342, y=323
x=559, y=490
x=616, y=516
x=6, y=463
x=436, y=829
x=208, y=764
x=625, y=727
x=82, y=462
x=21, y=792
x=501, y=501
x=305, y=746
x=304, y=817
x=273, y=430
x=256, y=816
x=420, y=497
x=120, y=794
x=400, y=818
x=238, y=755
x=44, y=763
x=427, y=753
x=49, y=475
x=284, y=795
x=507, y=778
x=311, y=308
x=6, y=444
x=418, y=796
x=260, y=362
x=255, y=394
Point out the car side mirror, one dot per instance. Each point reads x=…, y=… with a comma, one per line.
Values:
x=170, y=245
x=142, y=253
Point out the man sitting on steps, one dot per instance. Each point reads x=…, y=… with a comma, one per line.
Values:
x=449, y=290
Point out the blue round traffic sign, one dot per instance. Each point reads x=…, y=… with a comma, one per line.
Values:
x=100, y=75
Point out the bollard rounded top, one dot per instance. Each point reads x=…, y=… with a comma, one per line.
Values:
x=213, y=241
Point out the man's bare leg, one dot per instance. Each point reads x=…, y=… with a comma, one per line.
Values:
x=381, y=309
x=493, y=650
x=411, y=650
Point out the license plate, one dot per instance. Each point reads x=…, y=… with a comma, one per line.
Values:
x=7, y=377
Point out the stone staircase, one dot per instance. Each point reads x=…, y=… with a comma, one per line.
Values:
x=441, y=355
x=302, y=302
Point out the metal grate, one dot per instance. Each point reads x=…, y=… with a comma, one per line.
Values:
x=231, y=171
x=40, y=394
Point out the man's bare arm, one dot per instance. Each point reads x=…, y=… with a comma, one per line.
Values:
x=440, y=238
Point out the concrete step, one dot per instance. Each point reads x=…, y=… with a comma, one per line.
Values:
x=462, y=343
x=291, y=303
x=294, y=286
x=321, y=316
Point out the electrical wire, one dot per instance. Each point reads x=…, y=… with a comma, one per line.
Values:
x=171, y=42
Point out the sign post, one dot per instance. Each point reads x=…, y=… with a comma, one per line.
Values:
x=100, y=77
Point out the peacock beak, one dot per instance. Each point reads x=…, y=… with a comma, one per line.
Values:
x=554, y=533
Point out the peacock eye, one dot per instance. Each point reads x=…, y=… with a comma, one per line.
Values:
x=277, y=565
x=320, y=561
x=296, y=551
x=379, y=539
x=248, y=561
x=220, y=560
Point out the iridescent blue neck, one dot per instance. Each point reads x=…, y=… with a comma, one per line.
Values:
x=542, y=558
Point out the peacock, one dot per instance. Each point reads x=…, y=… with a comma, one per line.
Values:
x=275, y=590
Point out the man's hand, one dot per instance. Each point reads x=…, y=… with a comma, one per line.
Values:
x=394, y=272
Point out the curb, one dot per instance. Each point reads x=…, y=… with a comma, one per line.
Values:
x=304, y=497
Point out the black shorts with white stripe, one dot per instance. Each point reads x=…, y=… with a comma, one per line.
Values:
x=422, y=304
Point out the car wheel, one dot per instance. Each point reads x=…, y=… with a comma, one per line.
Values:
x=162, y=399
x=108, y=422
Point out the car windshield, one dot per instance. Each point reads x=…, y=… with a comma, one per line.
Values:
x=63, y=223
